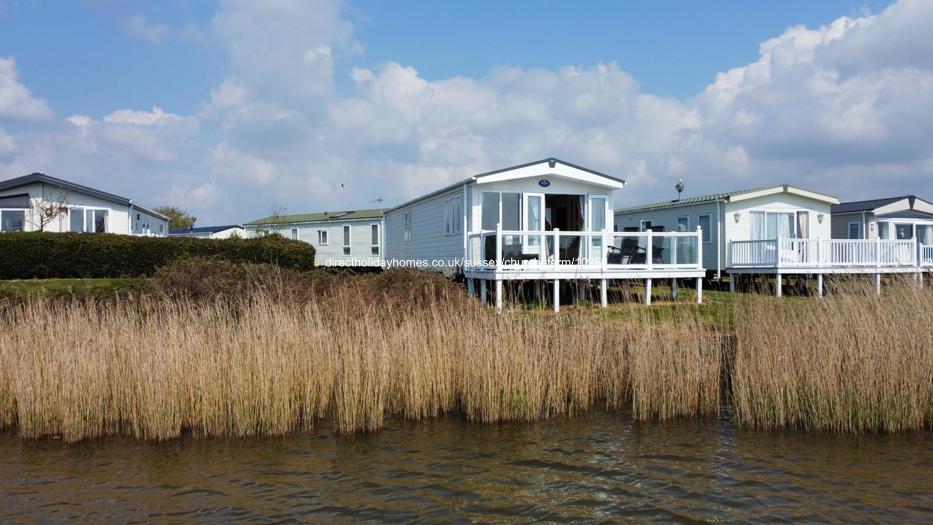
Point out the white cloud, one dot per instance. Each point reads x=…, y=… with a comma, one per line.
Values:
x=7, y=145
x=139, y=27
x=844, y=108
x=16, y=102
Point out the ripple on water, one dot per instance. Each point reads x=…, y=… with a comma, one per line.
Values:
x=598, y=468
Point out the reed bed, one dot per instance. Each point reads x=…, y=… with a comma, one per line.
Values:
x=852, y=362
x=261, y=366
x=283, y=351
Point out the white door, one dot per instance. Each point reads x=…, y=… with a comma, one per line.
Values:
x=532, y=220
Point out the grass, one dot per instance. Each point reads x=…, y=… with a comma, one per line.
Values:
x=262, y=361
x=80, y=288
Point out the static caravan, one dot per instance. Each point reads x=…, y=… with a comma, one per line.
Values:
x=893, y=218
x=341, y=238
x=725, y=218
x=209, y=232
x=546, y=220
x=37, y=202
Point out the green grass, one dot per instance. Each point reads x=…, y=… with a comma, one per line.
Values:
x=67, y=287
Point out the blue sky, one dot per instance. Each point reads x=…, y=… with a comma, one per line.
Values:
x=273, y=105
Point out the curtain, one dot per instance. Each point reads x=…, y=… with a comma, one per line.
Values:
x=758, y=227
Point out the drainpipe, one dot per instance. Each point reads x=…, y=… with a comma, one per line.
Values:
x=465, y=225
x=719, y=228
x=864, y=227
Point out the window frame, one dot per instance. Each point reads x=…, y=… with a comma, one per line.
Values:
x=322, y=237
x=641, y=225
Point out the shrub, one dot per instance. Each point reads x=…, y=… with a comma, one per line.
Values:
x=38, y=255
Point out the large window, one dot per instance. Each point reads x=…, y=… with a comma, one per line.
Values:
x=374, y=241
x=76, y=219
x=904, y=231
x=707, y=227
x=95, y=221
x=346, y=239
x=771, y=225
x=12, y=220
x=883, y=230
x=453, y=216
x=490, y=212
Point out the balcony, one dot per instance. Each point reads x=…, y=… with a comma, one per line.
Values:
x=577, y=254
x=830, y=255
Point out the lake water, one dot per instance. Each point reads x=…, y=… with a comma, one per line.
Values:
x=598, y=467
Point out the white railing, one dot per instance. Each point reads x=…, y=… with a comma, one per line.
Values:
x=819, y=253
x=926, y=255
x=563, y=250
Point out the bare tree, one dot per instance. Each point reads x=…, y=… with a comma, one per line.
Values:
x=47, y=210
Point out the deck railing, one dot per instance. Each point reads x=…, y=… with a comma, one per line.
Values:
x=926, y=255
x=820, y=253
x=570, y=250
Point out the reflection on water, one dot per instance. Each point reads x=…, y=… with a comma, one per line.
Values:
x=598, y=467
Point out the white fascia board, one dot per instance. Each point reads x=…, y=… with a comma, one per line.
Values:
x=894, y=207
x=785, y=189
x=924, y=206
x=543, y=170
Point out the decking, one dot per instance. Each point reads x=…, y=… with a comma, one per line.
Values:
x=508, y=255
x=780, y=257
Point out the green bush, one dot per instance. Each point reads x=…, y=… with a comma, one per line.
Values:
x=37, y=255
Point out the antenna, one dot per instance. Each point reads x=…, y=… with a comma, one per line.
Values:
x=379, y=200
x=679, y=187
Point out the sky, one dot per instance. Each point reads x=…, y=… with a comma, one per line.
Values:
x=237, y=109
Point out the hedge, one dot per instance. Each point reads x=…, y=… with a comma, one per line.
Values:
x=38, y=255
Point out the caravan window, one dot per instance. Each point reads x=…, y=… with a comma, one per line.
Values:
x=12, y=220
x=346, y=240
x=855, y=230
x=707, y=227
x=904, y=231
x=453, y=216
x=294, y=234
x=76, y=219
x=322, y=237
x=771, y=225
x=408, y=225
x=644, y=225
x=683, y=224
x=374, y=249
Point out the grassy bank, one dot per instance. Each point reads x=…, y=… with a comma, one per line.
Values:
x=285, y=350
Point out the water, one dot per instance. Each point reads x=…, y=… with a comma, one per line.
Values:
x=599, y=468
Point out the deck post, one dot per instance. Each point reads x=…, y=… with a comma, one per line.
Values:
x=498, y=246
x=731, y=283
x=482, y=291
x=556, y=295
x=819, y=285
x=470, y=289
x=674, y=288
x=778, y=285
x=604, y=292
x=648, y=291
x=878, y=283
x=556, y=247
x=699, y=290
x=498, y=295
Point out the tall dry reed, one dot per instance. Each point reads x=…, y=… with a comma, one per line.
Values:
x=260, y=366
x=850, y=362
